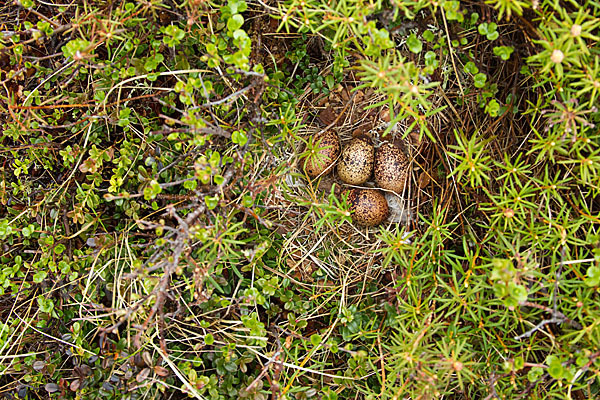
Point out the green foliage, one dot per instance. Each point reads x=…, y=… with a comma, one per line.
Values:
x=414, y=44
x=473, y=158
x=399, y=81
x=489, y=30
x=158, y=239
x=508, y=7
x=506, y=283
x=503, y=52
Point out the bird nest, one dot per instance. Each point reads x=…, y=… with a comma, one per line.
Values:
x=339, y=252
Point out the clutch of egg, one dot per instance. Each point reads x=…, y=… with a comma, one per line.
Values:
x=359, y=161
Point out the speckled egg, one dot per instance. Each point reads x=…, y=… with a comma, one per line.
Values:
x=369, y=206
x=326, y=152
x=356, y=163
x=391, y=168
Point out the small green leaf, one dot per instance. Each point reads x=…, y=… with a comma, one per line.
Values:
x=452, y=8
x=581, y=360
x=247, y=200
x=39, y=276
x=316, y=339
x=483, y=28
x=235, y=22
x=503, y=269
x=211, y=202
x=190, y=185
x=510, y=302
x=492, y=108
x=28, y=230
x=471, y=68
x=5, y=229
x=209, y=339
x=493, y=35
x=219, y=179
x=593, y=276
x=334, y=348
x=556, y=370
x=414, y=44
x=153, y=61
x=59, y=249
x=431, y=62
x=518, y=292
x=239, y=137
x=330, y=81
x=534, y=374
x=75, y=47
x=46, y=305
x=519, y=363
x=428, y=35
x=480, y=80
x=503, y=52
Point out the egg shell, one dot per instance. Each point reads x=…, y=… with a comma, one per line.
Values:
x=328, y=150
x=391, y=168
x=356, y=163
x=369, y=206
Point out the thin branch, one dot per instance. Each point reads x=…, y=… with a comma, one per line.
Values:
x=226, y=99
x=554, y=320
x=557, y=316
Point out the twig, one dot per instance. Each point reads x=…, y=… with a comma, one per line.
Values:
x=177, y=244
x=274, y=359
x=110, y=197
x=592, y=358
x=531, y=385
x=553, y=320
x=451, y=49
x=557, y=316
x=226, y=99
x=493, y=394
x=42, y=16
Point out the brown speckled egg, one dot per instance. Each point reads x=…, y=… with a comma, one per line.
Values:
x=356, y=163
x=326, y=152
x=391, y=168
x=369, y=206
